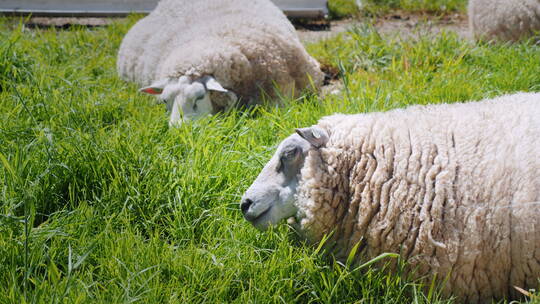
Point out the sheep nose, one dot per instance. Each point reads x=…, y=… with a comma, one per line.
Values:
x=244, y=206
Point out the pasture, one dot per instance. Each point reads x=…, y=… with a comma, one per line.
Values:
x=102, y=202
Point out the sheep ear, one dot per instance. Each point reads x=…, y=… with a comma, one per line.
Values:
x=316, y=136
x=155, y=88
x=212, y=84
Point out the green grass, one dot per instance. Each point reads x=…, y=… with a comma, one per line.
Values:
x=415, y=6
x=347, y=8
x=101, y=202
x=342, y=8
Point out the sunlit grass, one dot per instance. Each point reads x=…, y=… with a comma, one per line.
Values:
x=121, y=208
x=437, y=7
x=348, y=8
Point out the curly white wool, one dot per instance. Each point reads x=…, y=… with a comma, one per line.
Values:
x=454, y=188
x=248, y=46
x=504, y=20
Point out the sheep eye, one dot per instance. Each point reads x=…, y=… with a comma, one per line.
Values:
x=289, y=154
x=286, y=157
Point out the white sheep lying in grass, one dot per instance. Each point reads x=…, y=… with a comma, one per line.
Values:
x=453, y=188
x=505, y=20
x=201, y=56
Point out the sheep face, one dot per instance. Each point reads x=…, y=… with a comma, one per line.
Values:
x=187, y=99
x=272, y=196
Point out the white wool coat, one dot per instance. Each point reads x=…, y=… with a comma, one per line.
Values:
x=247, y=45
x=504, y=20
x=453, y=188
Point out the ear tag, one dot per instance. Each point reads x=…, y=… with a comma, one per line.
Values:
x=152, y=91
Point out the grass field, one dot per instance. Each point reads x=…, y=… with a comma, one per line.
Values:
x=343, y=8
x=101, y=202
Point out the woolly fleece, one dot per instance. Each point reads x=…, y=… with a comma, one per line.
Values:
x=453, y=188
x=247, y=45
x=505, y=20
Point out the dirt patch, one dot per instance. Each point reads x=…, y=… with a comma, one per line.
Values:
x=66, y=22
x=397, y=24
x=410, y=25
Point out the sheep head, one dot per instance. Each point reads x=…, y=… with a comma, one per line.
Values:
x=190, y=99
x=272, y=196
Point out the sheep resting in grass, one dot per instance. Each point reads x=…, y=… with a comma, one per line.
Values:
x=453, y=188
x=504, y=20
x=204, y=56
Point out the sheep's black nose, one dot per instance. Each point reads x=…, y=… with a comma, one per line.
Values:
x=244, y=206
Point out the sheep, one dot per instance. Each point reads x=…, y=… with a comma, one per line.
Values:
x=453, y=188
x=504, y=20
x=202, y=57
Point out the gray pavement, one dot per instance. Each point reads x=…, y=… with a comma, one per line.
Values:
x=103, y=8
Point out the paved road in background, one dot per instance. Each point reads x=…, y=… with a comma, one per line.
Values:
x=293, y=8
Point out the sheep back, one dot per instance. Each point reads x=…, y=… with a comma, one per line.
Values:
x=454, y=189
x=246, y=45
x=506, y=20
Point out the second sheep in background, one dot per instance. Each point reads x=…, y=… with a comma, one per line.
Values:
x=202, y=57
x=504, y=20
